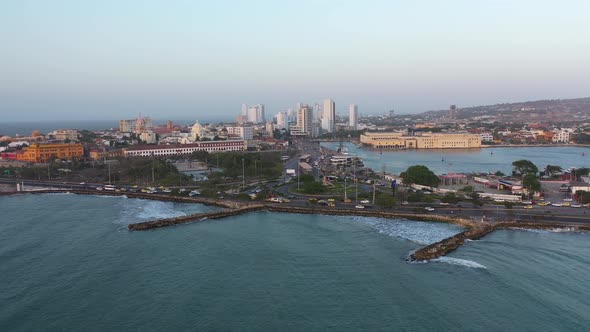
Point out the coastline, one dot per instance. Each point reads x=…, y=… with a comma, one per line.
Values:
x=473, y=229
x=483, y=146
x=537, y=145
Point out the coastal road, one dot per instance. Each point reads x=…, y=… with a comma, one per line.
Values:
x=486, y=212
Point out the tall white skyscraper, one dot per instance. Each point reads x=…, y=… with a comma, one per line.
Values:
x=329, y=116
x=252, y=113
x=282, y=120
x=353, y=114
x=244, y=110
x=298, y=106
x=256, y=114
x=304, y=122
x=317, y=110
x=260, y=118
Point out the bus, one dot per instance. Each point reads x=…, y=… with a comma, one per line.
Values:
x=305, y=158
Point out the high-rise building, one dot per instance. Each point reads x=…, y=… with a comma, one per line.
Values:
x=317, y=110
x=282, y=120
x=298, y=106
x=244, y=110
x=304, y=122
x=329, y=116
x=452, y=112
x=353, y=114
x=256, y=114
x=260, y=118
x=252, y=111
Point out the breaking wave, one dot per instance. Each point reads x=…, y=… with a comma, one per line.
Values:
x=551, y=230
x=142, y=210
x=419, y=232
x=458, y=261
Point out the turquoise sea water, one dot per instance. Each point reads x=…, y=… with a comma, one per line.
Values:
x=67, y=262
x=469, y=160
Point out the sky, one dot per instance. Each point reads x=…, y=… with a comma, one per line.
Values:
x=111, y=59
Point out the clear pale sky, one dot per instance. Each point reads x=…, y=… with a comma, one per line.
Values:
x=110, y=59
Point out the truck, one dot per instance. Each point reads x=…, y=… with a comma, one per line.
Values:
x=291, y=171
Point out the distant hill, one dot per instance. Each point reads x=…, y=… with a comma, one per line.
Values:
x=558, y=110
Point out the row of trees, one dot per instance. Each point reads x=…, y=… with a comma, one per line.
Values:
x=420, y=174
x=233, y=164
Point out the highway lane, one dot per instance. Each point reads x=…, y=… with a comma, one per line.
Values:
x=486, y=212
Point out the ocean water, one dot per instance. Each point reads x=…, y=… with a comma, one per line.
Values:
x=67, y=262
x=468, y=160
x=26, y=128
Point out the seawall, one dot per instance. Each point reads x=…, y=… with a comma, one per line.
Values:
x=142, y=226
x=447, y=245
x=155, y=197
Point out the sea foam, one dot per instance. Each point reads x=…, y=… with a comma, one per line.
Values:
x=423, y=233
x=458, y=261
x=549, y=230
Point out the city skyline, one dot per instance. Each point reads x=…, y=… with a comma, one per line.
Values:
x=70, y=60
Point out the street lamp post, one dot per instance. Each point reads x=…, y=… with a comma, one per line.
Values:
x=243, y=174
x=298, y=177
x=345, y=197
x=356, y=192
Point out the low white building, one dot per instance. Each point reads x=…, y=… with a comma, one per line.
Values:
x=245, y=132
x=487, y=137
x=149, y=137
x=184, y=149
x=66, y=134
x=561, y=136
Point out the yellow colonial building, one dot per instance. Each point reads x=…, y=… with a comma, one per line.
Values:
x=40, y=153
x=397, y=140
